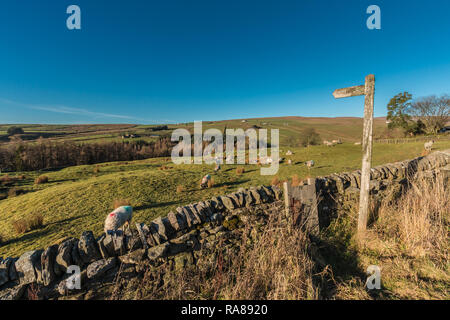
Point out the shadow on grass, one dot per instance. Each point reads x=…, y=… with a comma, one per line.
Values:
x=154, y=205
x=231, y=183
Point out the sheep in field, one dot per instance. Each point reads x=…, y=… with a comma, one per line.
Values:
x=205, y=180
x=429, y=145
x=310, y=164
x=118, y=218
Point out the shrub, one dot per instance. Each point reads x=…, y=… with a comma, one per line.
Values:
x=14, y=130
x=240, y=170
x=41, y=179
x=13, y=192
x=121, y=202
x=180, y=189
x=275, y=181
x=24, y=225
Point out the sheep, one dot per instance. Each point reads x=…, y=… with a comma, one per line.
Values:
x=310, y=164
x=328, y=143
x=289, y=153
x=118, y=218
x=429, y=145
x=205, y=180
x=338, y=141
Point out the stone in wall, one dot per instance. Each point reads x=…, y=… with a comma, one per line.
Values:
x=48, y=259
x=64, y=256
x=87, y=248
x=27, y=266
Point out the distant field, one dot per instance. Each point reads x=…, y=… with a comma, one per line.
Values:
x=347, y=129
x=77, y=199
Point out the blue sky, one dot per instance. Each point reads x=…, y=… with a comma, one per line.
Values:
x=171, y=61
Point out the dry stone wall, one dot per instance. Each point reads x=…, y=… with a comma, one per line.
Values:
x=181, y=233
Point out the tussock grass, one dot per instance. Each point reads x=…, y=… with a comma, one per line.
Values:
x=121, y=202
x=28, y=224
x=41, y=180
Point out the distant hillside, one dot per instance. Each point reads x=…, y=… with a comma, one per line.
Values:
x=345, y=128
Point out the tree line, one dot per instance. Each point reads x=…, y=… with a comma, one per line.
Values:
x=44, y=154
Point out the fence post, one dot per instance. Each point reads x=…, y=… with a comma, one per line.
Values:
x=287, y=200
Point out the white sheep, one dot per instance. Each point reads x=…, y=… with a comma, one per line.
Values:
x=205, y=180
x=429, y=145
x=118, y=218
x=309, y=164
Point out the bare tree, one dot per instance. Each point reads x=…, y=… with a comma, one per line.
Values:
x=433, y=111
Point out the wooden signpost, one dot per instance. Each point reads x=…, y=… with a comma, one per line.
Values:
x=369, y=91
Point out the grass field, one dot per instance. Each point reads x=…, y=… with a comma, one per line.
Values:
x=347, y=129
x=78, y=199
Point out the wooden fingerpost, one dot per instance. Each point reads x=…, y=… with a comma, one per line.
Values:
x=369, y=91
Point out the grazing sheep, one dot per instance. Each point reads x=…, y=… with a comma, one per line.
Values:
x=328, y=143
x=118, y=218
x=429, y=145
x=205, y=181
x=310, y=164
x=338, y=141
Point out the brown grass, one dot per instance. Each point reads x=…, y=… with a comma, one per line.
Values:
x=295, y=181
x=409, y=242
x=96, y=169
x=275, y=266
x=211, y=183
x=275, y=181
x=41, y=179
x=240, y=171
x=180, y=189
x=28, y=224
x=14, y=192
x=121, y=202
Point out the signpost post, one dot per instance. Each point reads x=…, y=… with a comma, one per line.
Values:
x=369, y=91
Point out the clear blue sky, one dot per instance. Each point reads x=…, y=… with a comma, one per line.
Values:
x=139, y=61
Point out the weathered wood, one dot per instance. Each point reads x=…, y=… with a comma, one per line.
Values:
x=368, y=89
x=349, y=92
x=287, y=198
x=367, y=152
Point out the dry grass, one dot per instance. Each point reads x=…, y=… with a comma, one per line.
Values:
x=240, y=171
x=409, y=242
x=211, y=183
x=275, y=266
x=96, y=169
x=275, y=181
x=180, y=189
x=121, y=202
x=28, y=224
x=296, y=181
x=41, y=180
